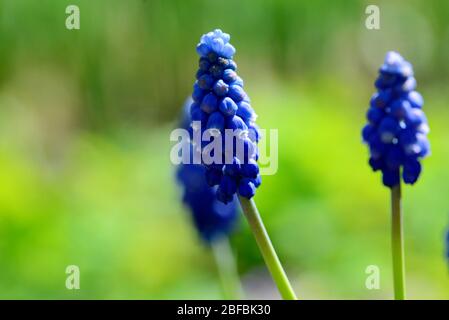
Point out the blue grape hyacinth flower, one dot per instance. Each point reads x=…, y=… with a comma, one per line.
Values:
x=447, y=245
x=212, y=218
x=220, y=103
x=222, y=116
x=397, y=127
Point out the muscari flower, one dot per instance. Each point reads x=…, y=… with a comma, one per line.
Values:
x=397, y=127
x=447, y=245
x=220, y=103
x=212, y=218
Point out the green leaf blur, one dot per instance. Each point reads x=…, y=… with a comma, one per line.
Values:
x=85, y=118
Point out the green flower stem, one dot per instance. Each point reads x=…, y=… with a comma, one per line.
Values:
x=266, y=247
x=227, y=269
x=397, y=242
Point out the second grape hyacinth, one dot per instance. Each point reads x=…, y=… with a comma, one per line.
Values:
x=220, y=103
x=397, y=130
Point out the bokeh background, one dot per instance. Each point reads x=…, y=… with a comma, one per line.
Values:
x=85, y=176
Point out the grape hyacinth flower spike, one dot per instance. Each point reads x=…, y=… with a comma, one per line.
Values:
x=396, y=135
x=447, y=246
x=221, y=110
x=213, y=220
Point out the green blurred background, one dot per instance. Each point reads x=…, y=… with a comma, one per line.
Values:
x=85, y=176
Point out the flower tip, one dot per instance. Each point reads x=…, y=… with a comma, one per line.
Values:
x=394, y=63
x=216, y=41
x=393, y=57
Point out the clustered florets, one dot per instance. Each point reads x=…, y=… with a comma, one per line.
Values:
x=220, y=103
x=397, y=130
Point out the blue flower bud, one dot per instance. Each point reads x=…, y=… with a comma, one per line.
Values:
x=368, y=132
x=236, y=93
x=407, y=86
x=221, y=88
x=395, y=64
x=411, y=172
x=415, y=118
x=212, y=56
x=205, y=82
x=224, y=63
x=376, y=163
x=381, y=99
x=209, y=103
x=247, y=188
x=216, y=71
x=232, y=65
x=374, y=115
x=387, y=80
x=257, y=181
x=217, y=44
x=228, y=107
x=202, y=49
x=204, y=64
x=424, y=145
x=245, y=112
x=415, y=99
x=229, y=76
x=236, y=123
x=418, y=148
x=390, y=178
x=198, y=93
x=199, y=73
x=228, y=50
x=238, y=82
x=400, y=108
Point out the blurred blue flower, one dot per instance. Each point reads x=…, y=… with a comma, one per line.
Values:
x=212, y=218
x=447, y=245
x=220, y=103
x=397, y=127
